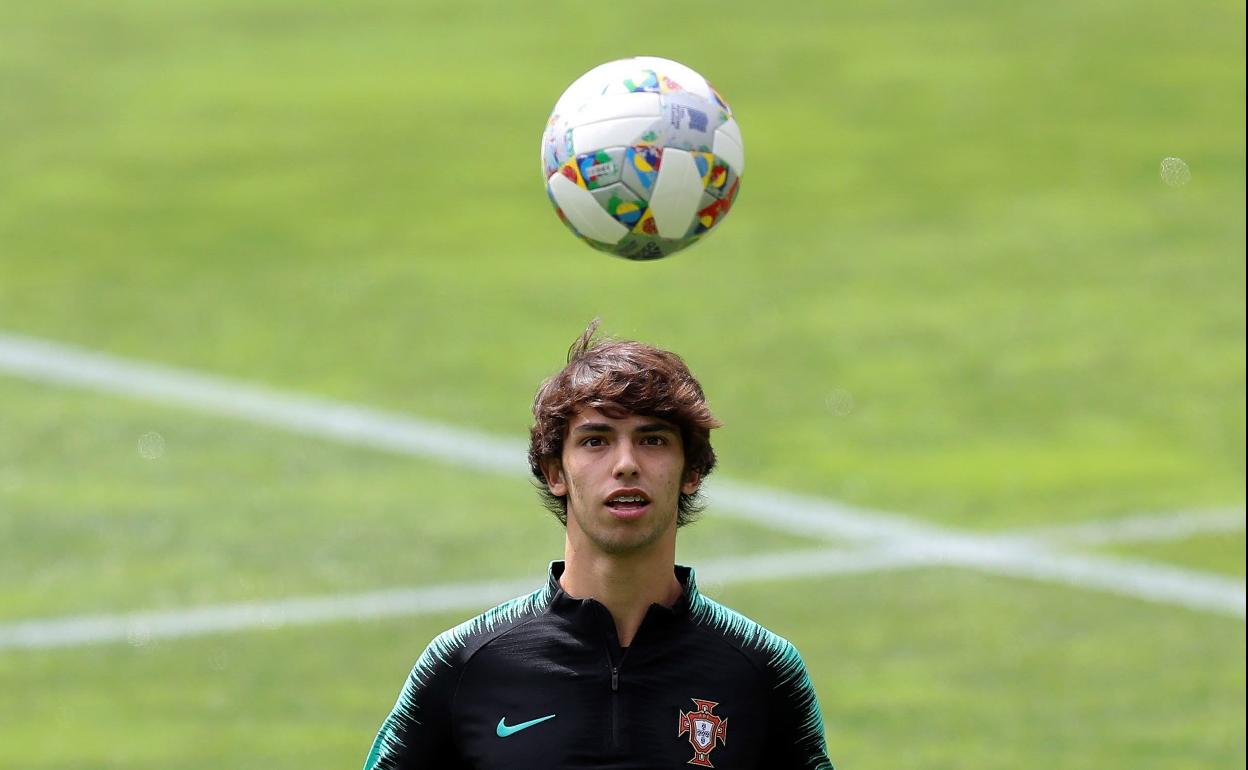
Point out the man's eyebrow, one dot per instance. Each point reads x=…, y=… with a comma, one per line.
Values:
x=592, y=427
x=655, y=427
x=602, y=427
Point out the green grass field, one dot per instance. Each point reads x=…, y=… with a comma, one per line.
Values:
x=954, y=286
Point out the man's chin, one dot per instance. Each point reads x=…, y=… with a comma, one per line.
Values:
x=626, y=540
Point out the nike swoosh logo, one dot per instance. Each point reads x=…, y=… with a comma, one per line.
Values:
x=504, y=730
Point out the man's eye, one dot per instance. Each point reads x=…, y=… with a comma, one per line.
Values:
x=653, y=440
x=592, y=441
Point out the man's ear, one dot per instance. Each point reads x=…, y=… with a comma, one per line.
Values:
x=692, y=481
x=552, y=469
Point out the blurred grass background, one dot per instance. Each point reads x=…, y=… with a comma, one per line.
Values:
x=954, y=285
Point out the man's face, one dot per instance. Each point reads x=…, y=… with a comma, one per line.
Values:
x=623, y=478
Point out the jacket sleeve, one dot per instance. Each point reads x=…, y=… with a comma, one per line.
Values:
x=418, y=732
x=797, y=724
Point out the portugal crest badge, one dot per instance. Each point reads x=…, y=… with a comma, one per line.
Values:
x=704, y=729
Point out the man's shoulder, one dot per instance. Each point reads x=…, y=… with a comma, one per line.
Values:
x=458, y=644
x=763, y=647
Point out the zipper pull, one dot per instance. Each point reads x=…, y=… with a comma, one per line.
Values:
x=615, y=679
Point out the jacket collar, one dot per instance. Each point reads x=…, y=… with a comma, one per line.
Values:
x=592, y=611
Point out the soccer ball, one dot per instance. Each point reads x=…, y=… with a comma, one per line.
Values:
x=642, y=157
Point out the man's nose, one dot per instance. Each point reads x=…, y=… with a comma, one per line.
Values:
x=625, y=462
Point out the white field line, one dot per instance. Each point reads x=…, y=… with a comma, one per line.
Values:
x=898, y=541
x=1145, y=528
x=141, y=628
x=1030, y=554
x=58, y=364
x=1015, y=557
x=1170, y=586
x=62, y=365
x=1036, y=560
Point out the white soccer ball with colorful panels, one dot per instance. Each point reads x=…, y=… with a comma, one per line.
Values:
x=642, y=157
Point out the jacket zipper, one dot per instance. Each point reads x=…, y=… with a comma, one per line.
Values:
x=615, y=666
x=615, y=707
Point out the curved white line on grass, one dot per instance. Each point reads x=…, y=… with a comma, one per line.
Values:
x=63, y=365
x=361, y=426
x=807, y=564
x=811, y=516
x=1145, y=528
x=1143, y=581
x=141, y=628
x=797, y=514
x=1150, y=581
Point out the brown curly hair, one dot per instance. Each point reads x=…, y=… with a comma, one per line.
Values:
x=620, y=377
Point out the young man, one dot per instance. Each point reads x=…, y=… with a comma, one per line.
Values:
x=618, y=661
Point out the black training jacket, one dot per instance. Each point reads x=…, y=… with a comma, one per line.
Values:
x=541, y=683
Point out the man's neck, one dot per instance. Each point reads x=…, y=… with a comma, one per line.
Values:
x=625, y=585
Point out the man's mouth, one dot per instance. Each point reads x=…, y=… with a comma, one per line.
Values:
x=627, y=502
